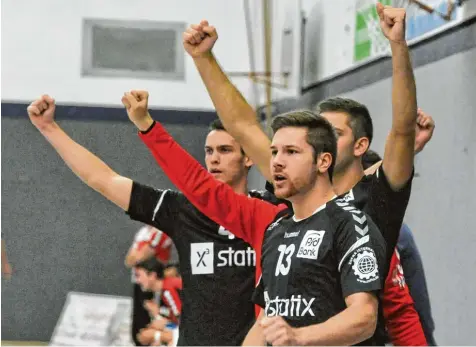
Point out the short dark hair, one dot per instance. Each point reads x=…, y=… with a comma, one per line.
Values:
x=320, y=133
x=360, y=121
x=152, y=265
x=370, y=158
x=218, y=125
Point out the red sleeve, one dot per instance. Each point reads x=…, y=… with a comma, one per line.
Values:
x=171, y=297
x=247, y=218
x=401, y=318
x=161, y=244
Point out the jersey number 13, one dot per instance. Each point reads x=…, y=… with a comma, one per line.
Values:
x=284, y=260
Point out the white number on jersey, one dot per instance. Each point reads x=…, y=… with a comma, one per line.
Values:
x=282, y=268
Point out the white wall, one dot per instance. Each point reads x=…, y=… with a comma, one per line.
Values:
x=41, y=49
x=442, y=208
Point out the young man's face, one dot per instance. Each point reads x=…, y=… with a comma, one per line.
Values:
x=293, y=166
x=345, y=140
x=224, y=159
x=145, y=279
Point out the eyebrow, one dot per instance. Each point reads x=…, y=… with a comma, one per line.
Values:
x=287, y=147
x=220, y=146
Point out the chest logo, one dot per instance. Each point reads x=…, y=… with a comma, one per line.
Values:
x=309, y=248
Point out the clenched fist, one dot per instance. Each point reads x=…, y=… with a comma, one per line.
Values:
x=424, y=130
x=136, y=104
x=199, y=39
x=392, y=22
x=277, y=332
x=42, y=112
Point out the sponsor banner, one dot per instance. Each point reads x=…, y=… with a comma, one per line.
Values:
x=369, y=42
x=93, y=320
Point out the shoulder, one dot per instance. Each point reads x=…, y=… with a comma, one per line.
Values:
x=172, y=283
x=343, y=215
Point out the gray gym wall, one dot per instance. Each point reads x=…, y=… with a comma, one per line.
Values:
x=442, y=207
x=61, y=235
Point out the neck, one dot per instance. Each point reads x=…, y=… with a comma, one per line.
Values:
x=240, y=187
x=345, y=180
x=304, y=205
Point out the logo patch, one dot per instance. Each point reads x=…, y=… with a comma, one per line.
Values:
x=364, y=264
x=201, y=258
x=309, y=248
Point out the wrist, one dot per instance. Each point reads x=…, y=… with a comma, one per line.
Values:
x=398, y=45
x=204, y=58
x=47, y=128
x=300, y=337
x=145, y=123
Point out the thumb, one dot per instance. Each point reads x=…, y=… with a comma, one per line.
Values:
x=204, y=23
x=210, y=31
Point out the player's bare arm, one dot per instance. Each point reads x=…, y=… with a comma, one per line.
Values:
x=351, y=326
x=88, y=167
x=255, y=336
x=423, y=134
x=135, y=256
x=238, y=117
x=399, y=149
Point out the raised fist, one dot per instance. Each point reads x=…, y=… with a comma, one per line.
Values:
x=136, y=103
x=199, y=39
x=424, y=130
x=392, y=22
x=42, y=111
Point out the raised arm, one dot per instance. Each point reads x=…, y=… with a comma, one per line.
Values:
x=399, y=149
x=423, y=133
x=89, y=168
x=237, y=116
x=245, y=217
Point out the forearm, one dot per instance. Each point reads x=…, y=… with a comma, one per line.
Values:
x=351, y=326
x=404, y=102
x=83, y=163
x=88, y=167
x=255, y=337
x=236, y=114
x=234, y=111
x=135, y=256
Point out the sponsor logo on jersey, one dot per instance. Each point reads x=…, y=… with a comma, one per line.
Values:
x=364, y=264
x=295, y=306
x=202, y=258
x=293, y=234
x=309, y=248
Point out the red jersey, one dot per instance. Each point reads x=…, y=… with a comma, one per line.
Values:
x=170, y=298
x=162, y=245
x=401, y=319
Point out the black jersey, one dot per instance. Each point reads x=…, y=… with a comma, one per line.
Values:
x=385, y=206
x=217, y=269
x=310, y=266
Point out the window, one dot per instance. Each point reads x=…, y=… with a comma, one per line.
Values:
x=133, y=49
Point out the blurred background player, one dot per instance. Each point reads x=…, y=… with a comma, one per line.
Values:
x=165, y=308
x=148, y=242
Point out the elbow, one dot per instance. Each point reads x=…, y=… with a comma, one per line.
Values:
x=368, y=324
